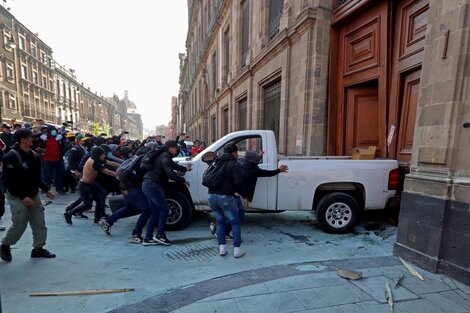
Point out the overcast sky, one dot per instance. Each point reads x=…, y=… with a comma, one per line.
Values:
x=115, y=45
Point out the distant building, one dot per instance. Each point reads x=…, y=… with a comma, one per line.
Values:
x=134, y=123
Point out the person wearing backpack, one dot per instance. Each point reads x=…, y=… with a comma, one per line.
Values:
x=88, y=187
x=250, y=173
x=162, y=169
x=130, y=178
x=223, y=199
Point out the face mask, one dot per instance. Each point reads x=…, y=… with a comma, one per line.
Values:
x=109, y=155
x=54, y=133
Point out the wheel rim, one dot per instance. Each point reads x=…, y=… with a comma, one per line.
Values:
x=338, y=215
x=174, y=213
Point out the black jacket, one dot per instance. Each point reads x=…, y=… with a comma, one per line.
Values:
x=7, y=138
x=250, y=174
x=23, y=178
x=163, y=169
x=233, y=182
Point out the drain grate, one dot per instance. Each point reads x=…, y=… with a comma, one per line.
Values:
x=192, y=252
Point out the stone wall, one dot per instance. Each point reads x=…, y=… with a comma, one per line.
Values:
x=434, y=227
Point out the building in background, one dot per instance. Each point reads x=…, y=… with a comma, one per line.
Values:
x=257, y=65
x=133, y=121
x=330, y=76
x=34, y=88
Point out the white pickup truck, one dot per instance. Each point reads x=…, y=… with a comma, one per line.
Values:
x=336, y=188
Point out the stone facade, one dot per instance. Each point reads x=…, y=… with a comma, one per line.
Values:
x=279, y=75
x=434, y=227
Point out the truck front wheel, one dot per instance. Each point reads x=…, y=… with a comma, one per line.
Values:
x=337, y=213
x=180, y=210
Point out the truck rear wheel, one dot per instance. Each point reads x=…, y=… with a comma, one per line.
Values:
x=180, y=210
x=337, y=213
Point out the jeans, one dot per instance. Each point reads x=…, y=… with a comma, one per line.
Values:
x=134, y=201
x=241, y=215
x=88, y=193
x=158, y=206
x=54, y=170
x=225, y=210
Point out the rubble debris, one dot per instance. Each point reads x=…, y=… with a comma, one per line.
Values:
x=79, y=292
x=411, y=269
x=397, y=281
x=352, y=275
x=388, y=296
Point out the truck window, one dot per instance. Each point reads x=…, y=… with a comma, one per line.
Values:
x=244, y=144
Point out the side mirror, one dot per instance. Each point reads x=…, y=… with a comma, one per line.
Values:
x=208, y=157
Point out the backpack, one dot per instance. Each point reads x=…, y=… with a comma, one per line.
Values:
x=146, y=164
x=127, y=168
x=214, y=175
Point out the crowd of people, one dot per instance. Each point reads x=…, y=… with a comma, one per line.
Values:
x=47, y=157
x=42, y=157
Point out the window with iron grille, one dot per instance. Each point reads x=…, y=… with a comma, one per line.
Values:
x=242, y=114
x=275, y=14
x=214, y=72
x=227, y=54
x=225, y=121
x=245, y=29
x=272, y=106
x=213, y=128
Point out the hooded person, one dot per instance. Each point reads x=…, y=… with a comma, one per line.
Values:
x=161, y=170
x=88, y=188
x=52, y=147
x=250, y=172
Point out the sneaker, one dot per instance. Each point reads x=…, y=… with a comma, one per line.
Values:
x=238, y=253
x=149, y=242
x=6, y=253
x=68, y=218
x=96, y=222
x=105, y=226
x=42, y=253
x=2, y=227
x=81, y=215
x=162, y=239
x=135, y=239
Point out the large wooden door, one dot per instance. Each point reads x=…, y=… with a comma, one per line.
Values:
x=408, y=53
x=362, y=118
x=408, y=107
x=377, y=48
x=361, y=113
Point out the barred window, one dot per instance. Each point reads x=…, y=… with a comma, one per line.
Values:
x=225, y=121
x=242, y=114
x=213, y=129
x=275, y=14
x=272, y=106
x=245, y=30
x=227, y=54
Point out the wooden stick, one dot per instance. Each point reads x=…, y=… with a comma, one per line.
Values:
x=79, y=292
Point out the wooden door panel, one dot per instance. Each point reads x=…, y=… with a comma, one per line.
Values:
x=413, y=18
x=408, y=107
x=362, y=118
x=362, y=47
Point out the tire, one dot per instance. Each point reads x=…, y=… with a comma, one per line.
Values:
x=337, y=213
x=181, y=211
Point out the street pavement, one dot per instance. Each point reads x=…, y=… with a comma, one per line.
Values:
x=290, y=266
